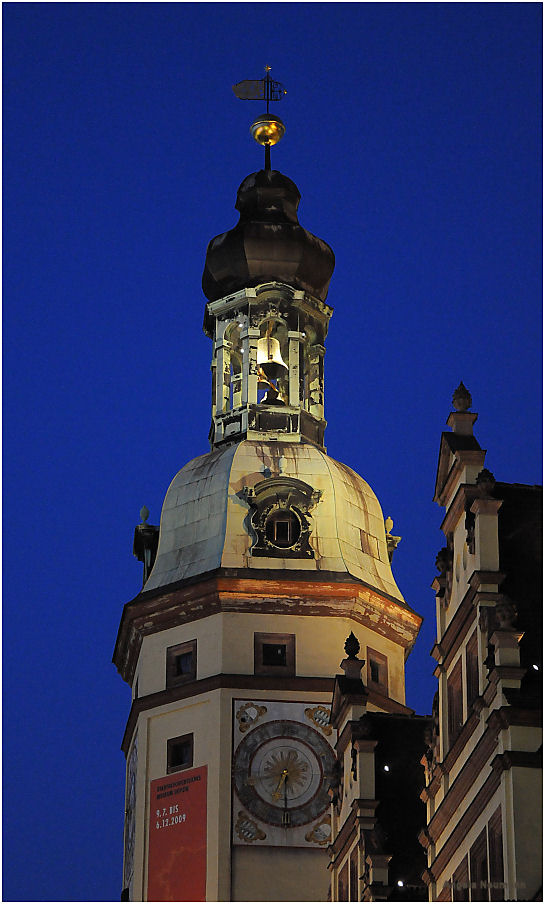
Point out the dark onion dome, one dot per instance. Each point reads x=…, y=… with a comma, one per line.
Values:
x=267, y=244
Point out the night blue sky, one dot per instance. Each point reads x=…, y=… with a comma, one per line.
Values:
x=414, y=136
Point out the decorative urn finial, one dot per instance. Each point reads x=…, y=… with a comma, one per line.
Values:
x=352, y=666
x=461, y=399
x=485, y=481
x=352, y=646
x=144, y=514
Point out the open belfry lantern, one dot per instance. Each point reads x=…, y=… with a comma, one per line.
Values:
x=266, y=281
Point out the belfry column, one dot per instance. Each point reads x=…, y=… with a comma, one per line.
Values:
x=223, y=365
x=295, y=339
x=249, y=366
x=316, y=381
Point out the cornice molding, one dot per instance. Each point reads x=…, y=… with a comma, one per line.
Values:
x=214, y=682
x=458, y=505
x=464, y=780
x=446, y=647
x=468, y=775
x=283, y=593
x=462, y=457
x=347, y=834
x=462, y=828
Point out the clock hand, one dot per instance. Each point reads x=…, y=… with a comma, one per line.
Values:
x=286, y=818
x=277, y=792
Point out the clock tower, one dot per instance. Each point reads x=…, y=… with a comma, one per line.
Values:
x=268, y=554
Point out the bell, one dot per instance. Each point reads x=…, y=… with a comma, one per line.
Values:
x=269, y=358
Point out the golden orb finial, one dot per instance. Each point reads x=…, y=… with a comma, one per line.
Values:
x=267, y=129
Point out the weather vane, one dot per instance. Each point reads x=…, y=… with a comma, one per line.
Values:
x=266, y=129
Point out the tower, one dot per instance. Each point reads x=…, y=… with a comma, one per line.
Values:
x=269, y=553
x=484, y=763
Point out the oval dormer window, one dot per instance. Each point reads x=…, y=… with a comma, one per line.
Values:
x=283, y=528
x=280, y=517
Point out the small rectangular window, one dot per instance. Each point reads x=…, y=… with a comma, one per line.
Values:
x=274, y=654
x=343, y=883
x=454, y=703
x=377, y=671
x=179, y=753
x=472, y=672
x=478, y=865
x=354, y=875
x=184, y=663
x=460, y=882
x=495, y=848
x=282, y=531
x=181, y=663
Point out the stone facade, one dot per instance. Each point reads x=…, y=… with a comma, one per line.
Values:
x=268, y=554
x=483, y=765
x=376, y=813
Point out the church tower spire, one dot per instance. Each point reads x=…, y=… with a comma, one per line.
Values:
x=266, y=281
x=269, y=553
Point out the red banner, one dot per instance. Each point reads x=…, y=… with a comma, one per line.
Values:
x=177, y=837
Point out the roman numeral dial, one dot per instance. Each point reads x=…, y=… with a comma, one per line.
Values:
x=280, y=773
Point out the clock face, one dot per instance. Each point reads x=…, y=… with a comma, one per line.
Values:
x=281, y=769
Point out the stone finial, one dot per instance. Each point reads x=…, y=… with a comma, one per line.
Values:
x=352, y=666
x=461, y=399
x=144, y=514
x=145, y=542
x=391, y=542
x=352, y=646
x=506, y=614
x=485, y=481
x=461, y=420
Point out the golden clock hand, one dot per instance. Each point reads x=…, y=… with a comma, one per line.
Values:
x=278, y=790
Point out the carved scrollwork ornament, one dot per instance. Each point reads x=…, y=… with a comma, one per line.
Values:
x=249, y=714
x=248, y=830
x=443, y=560
x=470, y=532
x=506, y=614
x=319, y=716
x=280, y=517
x=336, y=780
x=321, y=832
x=354, y=763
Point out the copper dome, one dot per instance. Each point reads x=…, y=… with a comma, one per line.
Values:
x=267, y=243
